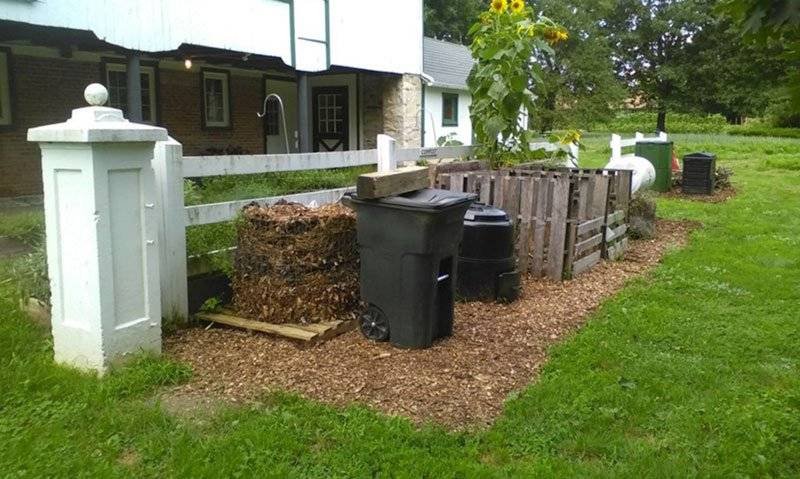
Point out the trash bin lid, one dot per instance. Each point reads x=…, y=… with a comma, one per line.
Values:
x=428, y=198
x=701, y=155
x=485, y=213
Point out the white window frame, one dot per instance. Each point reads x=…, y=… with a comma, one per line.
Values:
x=6, y=118
x=226, y=96
x=151, y=82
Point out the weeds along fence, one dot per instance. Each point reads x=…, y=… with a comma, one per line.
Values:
x=566, y=219
x=171, y=168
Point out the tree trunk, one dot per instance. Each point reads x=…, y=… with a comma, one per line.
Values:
x=661, y=121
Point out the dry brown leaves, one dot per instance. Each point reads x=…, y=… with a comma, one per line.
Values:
x=719, y=196
x=460, y=382
x=296, y=264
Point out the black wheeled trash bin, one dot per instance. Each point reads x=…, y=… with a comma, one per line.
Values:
x=409, y=248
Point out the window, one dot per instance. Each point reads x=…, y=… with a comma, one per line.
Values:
x=330, y=113
x=5, y=90
x=449, y=109
x=117, y=84
x=272, y=117
x=216, y=99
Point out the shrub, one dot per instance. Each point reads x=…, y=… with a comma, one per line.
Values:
x=645, y=121
x=762, y=130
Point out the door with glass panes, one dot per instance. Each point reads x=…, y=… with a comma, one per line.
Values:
x=330, y=120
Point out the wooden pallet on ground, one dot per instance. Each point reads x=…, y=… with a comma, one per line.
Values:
x=312, y=332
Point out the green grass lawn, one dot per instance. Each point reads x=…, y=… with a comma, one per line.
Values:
x=693, y=370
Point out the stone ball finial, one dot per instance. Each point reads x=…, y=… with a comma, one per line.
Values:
x=95, y=94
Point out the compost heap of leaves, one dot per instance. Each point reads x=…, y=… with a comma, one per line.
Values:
x=296, y=264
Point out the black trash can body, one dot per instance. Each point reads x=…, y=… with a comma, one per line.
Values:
x=408, y=246
x=486, y=262
x=698, y=173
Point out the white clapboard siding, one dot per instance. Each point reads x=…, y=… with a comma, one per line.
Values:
x=200, y=166
x=219, y=212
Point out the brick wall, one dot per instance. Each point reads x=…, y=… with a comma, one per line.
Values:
x=46, y=90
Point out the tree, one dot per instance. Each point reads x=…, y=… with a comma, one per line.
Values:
x=450, y=19
x=776, y=23
x=729, y=76
x=580, y=87
x=650, y=40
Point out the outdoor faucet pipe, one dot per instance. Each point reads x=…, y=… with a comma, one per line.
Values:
x=283, y=117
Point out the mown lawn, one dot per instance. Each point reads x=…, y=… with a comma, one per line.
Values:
x=691, y=371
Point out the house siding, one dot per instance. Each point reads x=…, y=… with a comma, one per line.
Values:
x=433, y=116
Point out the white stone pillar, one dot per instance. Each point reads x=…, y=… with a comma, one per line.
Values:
x=101, y=223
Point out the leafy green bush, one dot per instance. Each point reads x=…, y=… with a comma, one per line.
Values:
x=762, y=130
x=645, y=121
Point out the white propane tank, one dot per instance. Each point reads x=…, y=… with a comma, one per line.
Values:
x=644, y=174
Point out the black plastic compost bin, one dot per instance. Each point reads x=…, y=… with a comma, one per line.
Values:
x=409, y=245
x=486, y=262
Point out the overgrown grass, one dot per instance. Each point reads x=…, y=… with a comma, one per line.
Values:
x=693, y=370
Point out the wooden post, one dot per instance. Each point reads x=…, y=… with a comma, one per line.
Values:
x=167, y=164
x=387, y=153
x=134, y=88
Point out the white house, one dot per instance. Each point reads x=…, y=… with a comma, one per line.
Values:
x=446, y=98
x=345, y=71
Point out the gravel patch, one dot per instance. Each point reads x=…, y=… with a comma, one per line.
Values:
x=460, y=382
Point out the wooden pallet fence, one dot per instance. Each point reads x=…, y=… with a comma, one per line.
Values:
x=565, y=219
x=615, y=242
x=587, y=217
x=539, y=203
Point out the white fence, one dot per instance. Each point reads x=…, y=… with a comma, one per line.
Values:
x=172, y=167
x=617, y=143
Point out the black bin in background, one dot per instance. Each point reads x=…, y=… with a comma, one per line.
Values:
x=408, y=246
x=486, y=262
x=698, y=173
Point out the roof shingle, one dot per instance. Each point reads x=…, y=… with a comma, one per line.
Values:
x=447, y=63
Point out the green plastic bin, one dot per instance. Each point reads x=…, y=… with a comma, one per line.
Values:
x=659, y=153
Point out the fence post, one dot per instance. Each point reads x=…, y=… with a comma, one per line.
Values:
x=167, y=164
x=387, y=153
x=616, y=147
x=102, y=234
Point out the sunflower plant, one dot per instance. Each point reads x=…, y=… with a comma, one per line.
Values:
x=505, y=40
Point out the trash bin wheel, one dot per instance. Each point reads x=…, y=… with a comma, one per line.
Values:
x=374, y=324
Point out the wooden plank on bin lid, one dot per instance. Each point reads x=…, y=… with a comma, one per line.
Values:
x=389, y=183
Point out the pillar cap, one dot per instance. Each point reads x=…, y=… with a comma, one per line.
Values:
x=97, y=124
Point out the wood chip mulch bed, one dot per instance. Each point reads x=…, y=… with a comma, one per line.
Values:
x=719, y=196
x=461, y=382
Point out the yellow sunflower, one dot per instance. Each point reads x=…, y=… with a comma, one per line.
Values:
x=498, y=6
x=554, y=35
x=517, y=6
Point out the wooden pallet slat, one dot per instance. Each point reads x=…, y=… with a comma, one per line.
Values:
x=587, y=244
x=539, y=224
x=585, y=263
x=302, y=332
x=558, y=227
x=526, y=215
